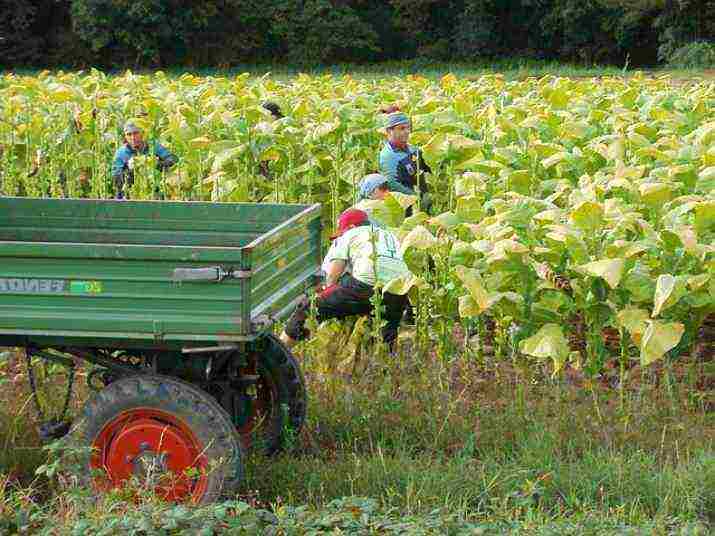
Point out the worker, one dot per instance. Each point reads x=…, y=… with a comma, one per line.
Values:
x=373, y=187
x=134, y=144
x=401, y=162
x=361, y=260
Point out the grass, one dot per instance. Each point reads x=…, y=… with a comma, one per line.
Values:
x=443, y=447
x=510, y=68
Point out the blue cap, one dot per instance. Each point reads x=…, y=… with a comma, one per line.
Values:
x=131, y=127
x=397, y=118
x=369, y=183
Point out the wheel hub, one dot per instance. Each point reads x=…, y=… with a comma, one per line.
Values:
x=158, y=450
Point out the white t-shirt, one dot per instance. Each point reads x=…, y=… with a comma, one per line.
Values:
x=355, y=247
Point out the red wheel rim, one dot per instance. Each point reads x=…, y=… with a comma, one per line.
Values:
x=262, y=402
x=156, y=447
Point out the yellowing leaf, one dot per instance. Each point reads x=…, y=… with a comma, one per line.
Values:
x=418, y=238
x=471, y=279
x=655, y=193
x=548, y=342
x=697, y=282
x=588, y=216
x=469, y=209
x=611, y=270
x=401, y=285
x=446, y=220
x=201, y=141
x=705, y=216
x=468, y=308
x=634, y=321
x=554, y=159
x=668, y=290
x=470, y=183
x=490, y=167
x=658, y=339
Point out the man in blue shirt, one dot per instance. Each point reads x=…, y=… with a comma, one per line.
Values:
x=122, y=174
x=401, y=162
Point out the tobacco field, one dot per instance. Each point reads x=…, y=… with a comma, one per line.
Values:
x=574, y=220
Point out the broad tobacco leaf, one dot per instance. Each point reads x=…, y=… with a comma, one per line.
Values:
x=655, y=193
x=472, y=281
x=468, y=307
x=461, y=253
x=453, y=146
x=588, y=216
x=668, y=290
x=402, y=285
x=419, y=238
x=548, y=342
x=391, y=210
x=611, y=270
x=634, y=321
x=659, y=338
x=446, y=220
x=705, y=217
x=469, y=209
x=470, y=183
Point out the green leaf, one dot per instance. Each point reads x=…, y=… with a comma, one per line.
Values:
x=611, y=270
x=469, y=209
x=548, y=342
x=470, y=183
x=588, y=216
x=519, y=181
x=656, y=193
x=705, y=217
x=659, y=338
x=461, y=253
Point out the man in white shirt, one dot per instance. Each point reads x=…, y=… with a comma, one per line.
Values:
x=361, y=258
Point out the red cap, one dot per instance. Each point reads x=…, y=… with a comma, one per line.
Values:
x=351, y=217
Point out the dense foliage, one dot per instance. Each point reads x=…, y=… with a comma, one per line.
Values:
x=574, y=222
x=111, y=33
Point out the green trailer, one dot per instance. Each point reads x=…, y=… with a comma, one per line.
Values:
x=172, y=304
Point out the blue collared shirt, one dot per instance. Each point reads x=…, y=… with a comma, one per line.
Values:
x=400, y=167
x=125, y=153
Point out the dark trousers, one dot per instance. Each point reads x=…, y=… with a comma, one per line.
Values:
x=349, y=297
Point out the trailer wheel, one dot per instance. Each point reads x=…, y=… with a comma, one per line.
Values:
x=162, y=434
x=291, y=377
x=277, y=402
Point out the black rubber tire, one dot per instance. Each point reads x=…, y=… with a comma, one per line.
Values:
x=208, y=421
x=277, y=361
x=291, y=377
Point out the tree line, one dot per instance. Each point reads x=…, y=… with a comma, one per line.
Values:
x=222, y=33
